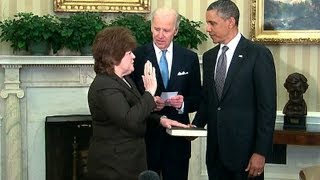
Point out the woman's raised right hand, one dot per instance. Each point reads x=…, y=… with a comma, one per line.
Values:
x=149, y=78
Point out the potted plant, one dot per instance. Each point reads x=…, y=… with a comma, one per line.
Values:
x=27, y=31
x=138, y=24
x=189, y=35
x=79, y=30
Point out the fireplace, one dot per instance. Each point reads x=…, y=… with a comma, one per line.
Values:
x=67, y=141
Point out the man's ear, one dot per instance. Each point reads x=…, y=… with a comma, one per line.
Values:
x=232, y=22
x=176, y=31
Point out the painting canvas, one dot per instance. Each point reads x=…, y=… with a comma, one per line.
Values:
x=285, y=21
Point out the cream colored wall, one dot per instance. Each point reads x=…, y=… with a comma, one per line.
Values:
x=288, y=58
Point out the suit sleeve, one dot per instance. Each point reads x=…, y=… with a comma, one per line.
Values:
x=131, y=117
x=201, y=116
x=191, y=102
x=265, y=87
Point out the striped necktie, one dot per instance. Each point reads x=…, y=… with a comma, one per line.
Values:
x=221, y=71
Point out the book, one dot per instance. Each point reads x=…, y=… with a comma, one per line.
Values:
x=177, y=131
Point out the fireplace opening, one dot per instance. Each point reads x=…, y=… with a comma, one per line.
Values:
x=67, y=142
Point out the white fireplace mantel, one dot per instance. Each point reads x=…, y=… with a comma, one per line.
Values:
x=46, y=60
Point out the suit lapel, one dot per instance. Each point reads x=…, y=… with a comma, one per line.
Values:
x=212, y=67
x=151, y=56
x=133, y=88
x=176, y=63
x=238, y=59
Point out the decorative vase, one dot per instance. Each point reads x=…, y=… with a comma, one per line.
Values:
x=39, y=48
x=67, y=52
x=21, y=52
x=86, y=50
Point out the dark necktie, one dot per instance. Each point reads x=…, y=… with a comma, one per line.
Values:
x=221, y=71
x=164, y=68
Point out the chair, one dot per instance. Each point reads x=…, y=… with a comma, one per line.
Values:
x=310, y=173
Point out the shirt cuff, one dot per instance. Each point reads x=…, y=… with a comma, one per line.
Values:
x=180, y=110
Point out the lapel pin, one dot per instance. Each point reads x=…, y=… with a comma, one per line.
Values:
x=240, y=56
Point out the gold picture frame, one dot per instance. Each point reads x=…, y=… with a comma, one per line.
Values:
x=127, y=6
x=263, y=32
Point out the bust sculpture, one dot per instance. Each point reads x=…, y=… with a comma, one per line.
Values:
x=296, y=85
x=296, y=109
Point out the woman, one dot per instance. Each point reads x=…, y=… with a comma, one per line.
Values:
x=117, y=149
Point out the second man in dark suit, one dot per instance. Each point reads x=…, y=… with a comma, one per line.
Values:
x=239, y=103
x=177, y=70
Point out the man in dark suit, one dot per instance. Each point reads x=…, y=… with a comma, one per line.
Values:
x=168, y=155
x=239, y=102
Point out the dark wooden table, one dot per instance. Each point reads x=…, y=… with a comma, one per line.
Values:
x=296, y=137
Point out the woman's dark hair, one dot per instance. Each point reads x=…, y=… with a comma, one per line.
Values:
x=110, y=46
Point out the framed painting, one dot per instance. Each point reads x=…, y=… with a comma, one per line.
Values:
x=285, y=21
x=127, y=6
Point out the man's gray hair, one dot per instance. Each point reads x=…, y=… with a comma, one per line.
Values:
x=167, y=11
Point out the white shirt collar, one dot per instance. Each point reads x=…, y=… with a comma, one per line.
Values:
x=159, y=51
x=169, y=55
x=233, y=43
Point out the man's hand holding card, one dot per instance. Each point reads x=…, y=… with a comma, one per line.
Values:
x=172, y=99
x=175, y=101
x=167, y=95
